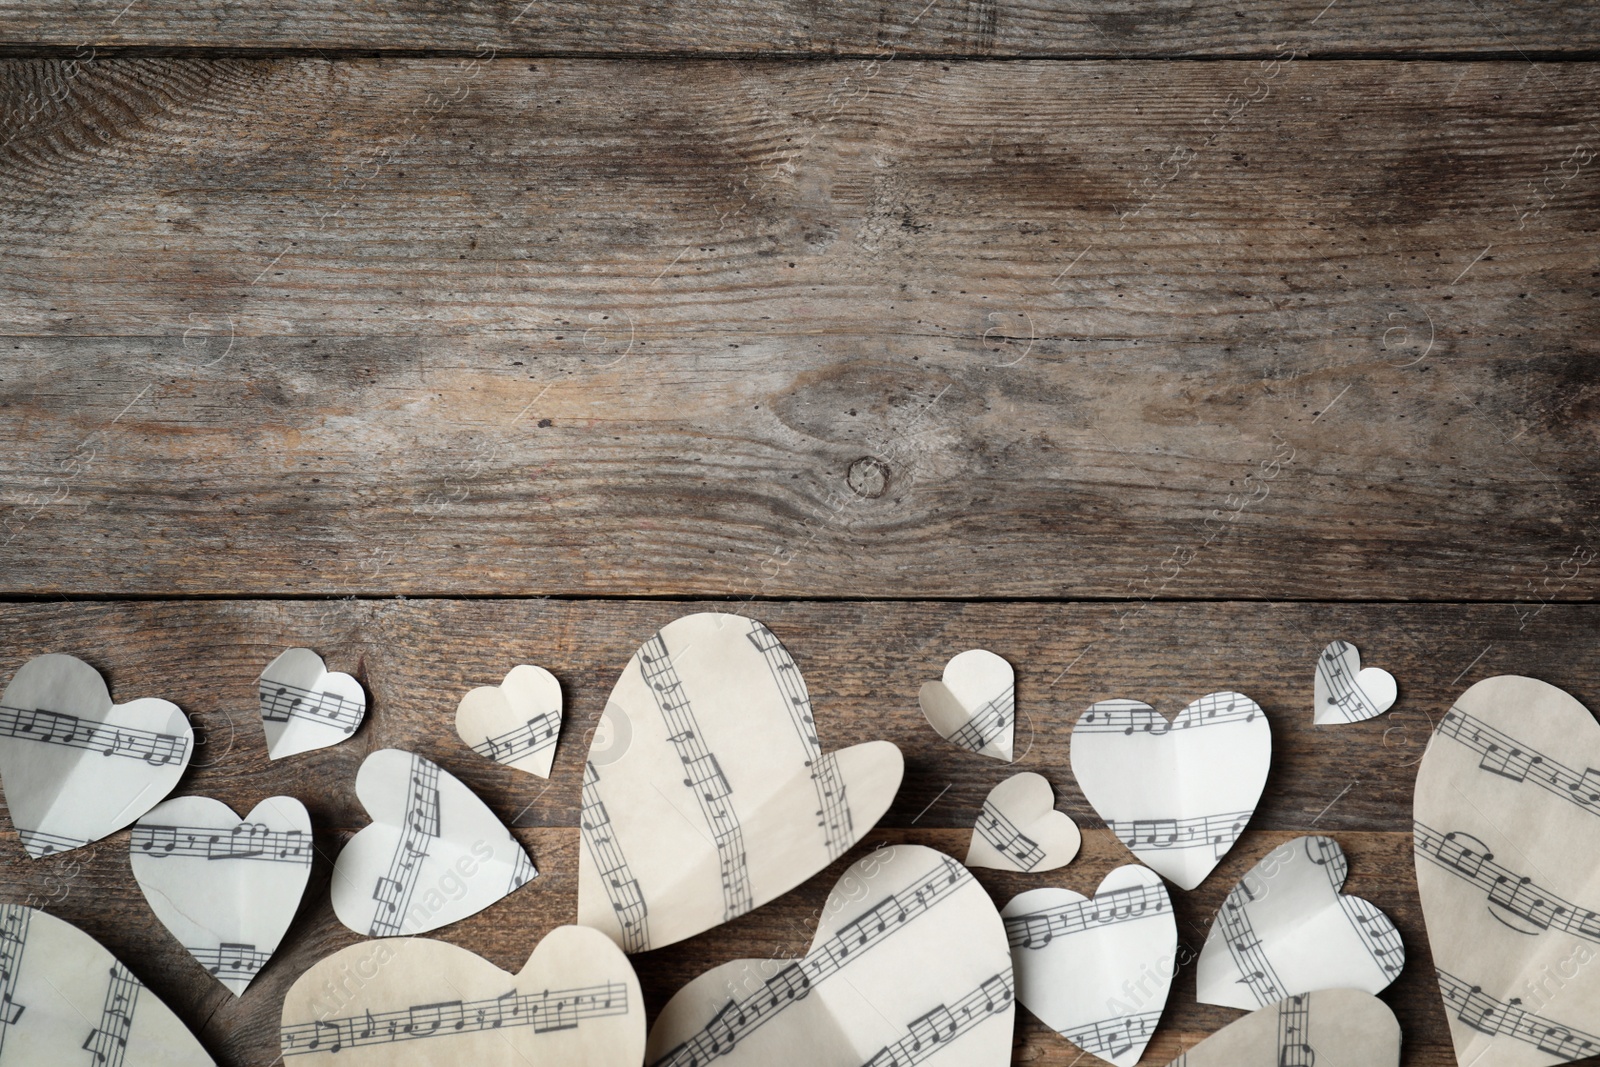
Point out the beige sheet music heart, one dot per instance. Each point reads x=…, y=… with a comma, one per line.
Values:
x=516, y=722
x=1328, y=1028
x=77, y=767
x=1344, y=691
x=305, y=706
x=416, y=1002
x=909, y=965
x=974, y=704
x=1020, y=830
x=707, y=792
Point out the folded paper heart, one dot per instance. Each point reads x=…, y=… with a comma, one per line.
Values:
x=1020, y=830
x=1286, y=929
x=1097, y=970
x=707, y=793
x=974, y=705
x=226, y=888
x=305, y=706
x=516, y=722
x=1178, y=793
x=77, y=767
x=1345, y=691
x=433, y=854
x=1328, y=1028
x=416, y=1002
x=908, y=965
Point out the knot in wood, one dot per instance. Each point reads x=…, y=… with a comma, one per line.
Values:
x=868, y=477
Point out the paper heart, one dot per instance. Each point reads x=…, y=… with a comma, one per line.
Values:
x=1178, y=793
x=706, y=793
x=1020, y=830
x=908, y=965
x=516, y=722
x=1096, y=970
x=416, y=1002
x=1328, y=1028
x=1507, y=841
x=226, y=888
x=65, y=1000
x=1347, y=692
x=1286, y=929
x=306, y=706
x=433, y=854
x=77, y=767
x=974, y=706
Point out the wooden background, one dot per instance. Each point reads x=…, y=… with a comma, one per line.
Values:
x=1151, y=344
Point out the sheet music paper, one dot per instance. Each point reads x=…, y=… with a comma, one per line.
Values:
x=909, y=965
x=433, y=854
x=1177, y=792
x=416, y=1002
x=516, y=722
x=305, y=706
x=226, y=888
x=1020, y=830
x=1287, y=929
x=1328, y=1028
x=707, y=792
x=77, y=767
x=1097, y=970
x=1507, y=841
x=1344, y=691
x=974, y=704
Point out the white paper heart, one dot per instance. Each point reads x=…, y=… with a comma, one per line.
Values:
x=306, y=706
x=1345, y=691
x=1286, y=929
x=1328, y=1028
x=434, y=853
x=516, y=722
x=707, y=793
x=77, y=767
x=1097, y=970
x=416, y=1002
x=909, y=965
x=1020, y=830
x=1178, y=793
x=974, y=706
x=65, y=1000
x=227, y=888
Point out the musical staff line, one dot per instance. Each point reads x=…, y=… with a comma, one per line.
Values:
x=246, y=841
x=281, y=702
x=988, y=722
x=1504, y=756
x=13, y=939
x=40, y=844
x=420, y=827
x=536, y=735
x=69, y=731
x=1110, y=1038
x=1344, y=694
x=1245, y=947
x=1037, y=929
x=1218, y=831
x=1007, y=840
x=1294, y=1032
x=1505, y=888
x=1123, y=716
x=1485, y=1014
x=621, y=886
x=231, y=960
x=109, y=1041
x=928, y=1034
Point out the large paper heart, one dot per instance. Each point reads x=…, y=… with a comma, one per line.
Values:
x=226, y=888
x=1178, y=793
x=433, y=854
x=1507, y=842
x=516, y=722
x=909, y=965
x=77, y=767
x=1020, y=829
x=1347, y=692
x=416, y=1002
x=305, y=706
x=974, y=705
x=1286, y=929
x=1328, y=1028
x=1097, y=970
x=706, y=792
x=65, y=1000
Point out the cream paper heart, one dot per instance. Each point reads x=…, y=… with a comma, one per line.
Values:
x=416, y=1002
x=1097, y=970
x=1020, y=830
x=1286, y=929
x=433, y=854
x=226, y=888
x=65, y=1000
x=1178, y=793
x=77, y=767
x=1507, y=841
x=706, y=792
x=1328, y=1028
x=908, y=965
x=516, y=722
x=305, y=706
x=974, y=705
x=1345, y=691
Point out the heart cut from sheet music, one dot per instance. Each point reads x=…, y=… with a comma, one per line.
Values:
x=416, y=1002
x=1020, y=829
x=1096, y=970
x=77, y=767
x=909, y=965
x=1286, y=929
x=433, y=854
x=226, y=888
x=707, y=793
x=1177, y=792
x=305, y=706
x=516, y=722
x=974, y=704
x=1328, y=1028
x=1345, y=691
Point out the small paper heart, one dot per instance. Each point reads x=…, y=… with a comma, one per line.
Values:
x=1328, y=1028
x=974, y=705
x=1020, y=830
x=305, y=706
x=515, y=723
x=1344, y=691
